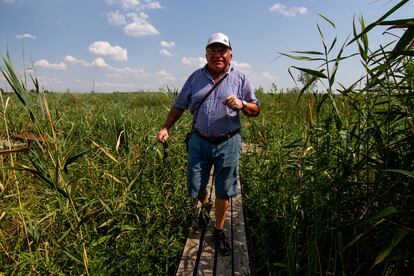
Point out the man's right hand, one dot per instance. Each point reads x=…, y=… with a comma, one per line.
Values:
x=162, y=135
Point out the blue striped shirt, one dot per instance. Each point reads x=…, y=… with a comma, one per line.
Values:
x=214, y=118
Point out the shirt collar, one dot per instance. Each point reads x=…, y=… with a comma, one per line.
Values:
x=209, y=75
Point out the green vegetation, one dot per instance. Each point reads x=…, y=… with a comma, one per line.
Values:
x=330, y=192
x=96, y=193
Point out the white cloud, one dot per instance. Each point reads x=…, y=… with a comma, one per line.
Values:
x=152, y=5
x=129, y=4
x=139, y=25
x=241, y=65
x=103, y=48
x=46, y=64
x=138, y=72
x=112, y=84
x=195, y=62
x=136, y=4
x=100, y=62
x=292, y=11
x=73, y=61
x=165, y=76
x=267, y=75
x=165, y=52
x=132, y=18
x=24, y=36
x=117, y=19
x=167, y=44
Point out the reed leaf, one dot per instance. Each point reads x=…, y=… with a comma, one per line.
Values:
x=398, y=236
x=73, y=158
x=378, y=21
x=387, y=211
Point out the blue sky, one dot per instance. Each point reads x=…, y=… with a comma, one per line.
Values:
x=135, y=45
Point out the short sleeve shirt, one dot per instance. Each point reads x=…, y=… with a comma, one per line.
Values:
x=214, y=118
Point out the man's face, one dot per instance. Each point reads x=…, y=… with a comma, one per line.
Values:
x=218, y=57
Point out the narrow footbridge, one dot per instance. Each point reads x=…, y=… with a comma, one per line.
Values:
x=200, y=256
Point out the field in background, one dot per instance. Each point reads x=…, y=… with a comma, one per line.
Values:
x=98, y=193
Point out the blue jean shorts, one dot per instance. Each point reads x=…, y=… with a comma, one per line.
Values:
x=202, y=155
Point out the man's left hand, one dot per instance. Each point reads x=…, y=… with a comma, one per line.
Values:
x=233, y=102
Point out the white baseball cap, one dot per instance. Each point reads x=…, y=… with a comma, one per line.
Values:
x=219, y=38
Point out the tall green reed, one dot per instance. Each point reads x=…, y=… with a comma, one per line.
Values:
x=100, y=194
x=342, y=191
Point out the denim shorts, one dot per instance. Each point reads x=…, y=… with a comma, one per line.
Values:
x=202, y=155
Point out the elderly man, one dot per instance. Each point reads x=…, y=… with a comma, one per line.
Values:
x=215, y=95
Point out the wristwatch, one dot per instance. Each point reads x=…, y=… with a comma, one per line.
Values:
x=244, y=105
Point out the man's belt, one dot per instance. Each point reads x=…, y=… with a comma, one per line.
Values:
x=218, y=139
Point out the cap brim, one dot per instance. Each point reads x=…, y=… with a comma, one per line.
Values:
x=218, y=43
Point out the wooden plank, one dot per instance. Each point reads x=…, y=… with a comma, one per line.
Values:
x=206, y=265
x=189, y=256
x=235, y=264
x=238, y=262
x=240, y=251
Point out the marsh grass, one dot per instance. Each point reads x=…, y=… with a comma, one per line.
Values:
x=338, y=194
x=95, y=193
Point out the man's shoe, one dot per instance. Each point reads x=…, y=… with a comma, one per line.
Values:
x=220, y=240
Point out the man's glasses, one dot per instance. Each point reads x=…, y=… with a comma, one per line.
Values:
x=217, y=51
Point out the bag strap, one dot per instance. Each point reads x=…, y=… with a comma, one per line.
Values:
x=205, y=97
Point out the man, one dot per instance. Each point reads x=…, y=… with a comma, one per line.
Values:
x=216, y=127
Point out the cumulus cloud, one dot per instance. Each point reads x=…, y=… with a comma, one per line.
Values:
x=139, y=25
x=112, y=84
x=137, y=72
x=292, y=11
x=241, y=65
x=133, y=20
x=99, y=62
x=267, y=75
x=104, y=48
x=116, y=18
x=126, y=4
x=194, y=62
x=73, y=61
x=152, y=5
x=46, y=64
x=165, y=52
x=25, y=36
x=167, y=44
x=165, y=76
x=136, y=4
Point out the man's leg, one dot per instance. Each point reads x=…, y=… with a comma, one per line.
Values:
x=222, y=244
x=221, y=206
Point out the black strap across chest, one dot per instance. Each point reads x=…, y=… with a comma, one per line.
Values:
x=204, y=98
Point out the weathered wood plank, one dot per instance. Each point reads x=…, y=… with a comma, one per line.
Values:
x=235, y=264
x=238, y=262
x=240, y=251
x=206, y=265
x=189, y=256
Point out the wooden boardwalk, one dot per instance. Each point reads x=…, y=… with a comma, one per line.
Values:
x=200, y=257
